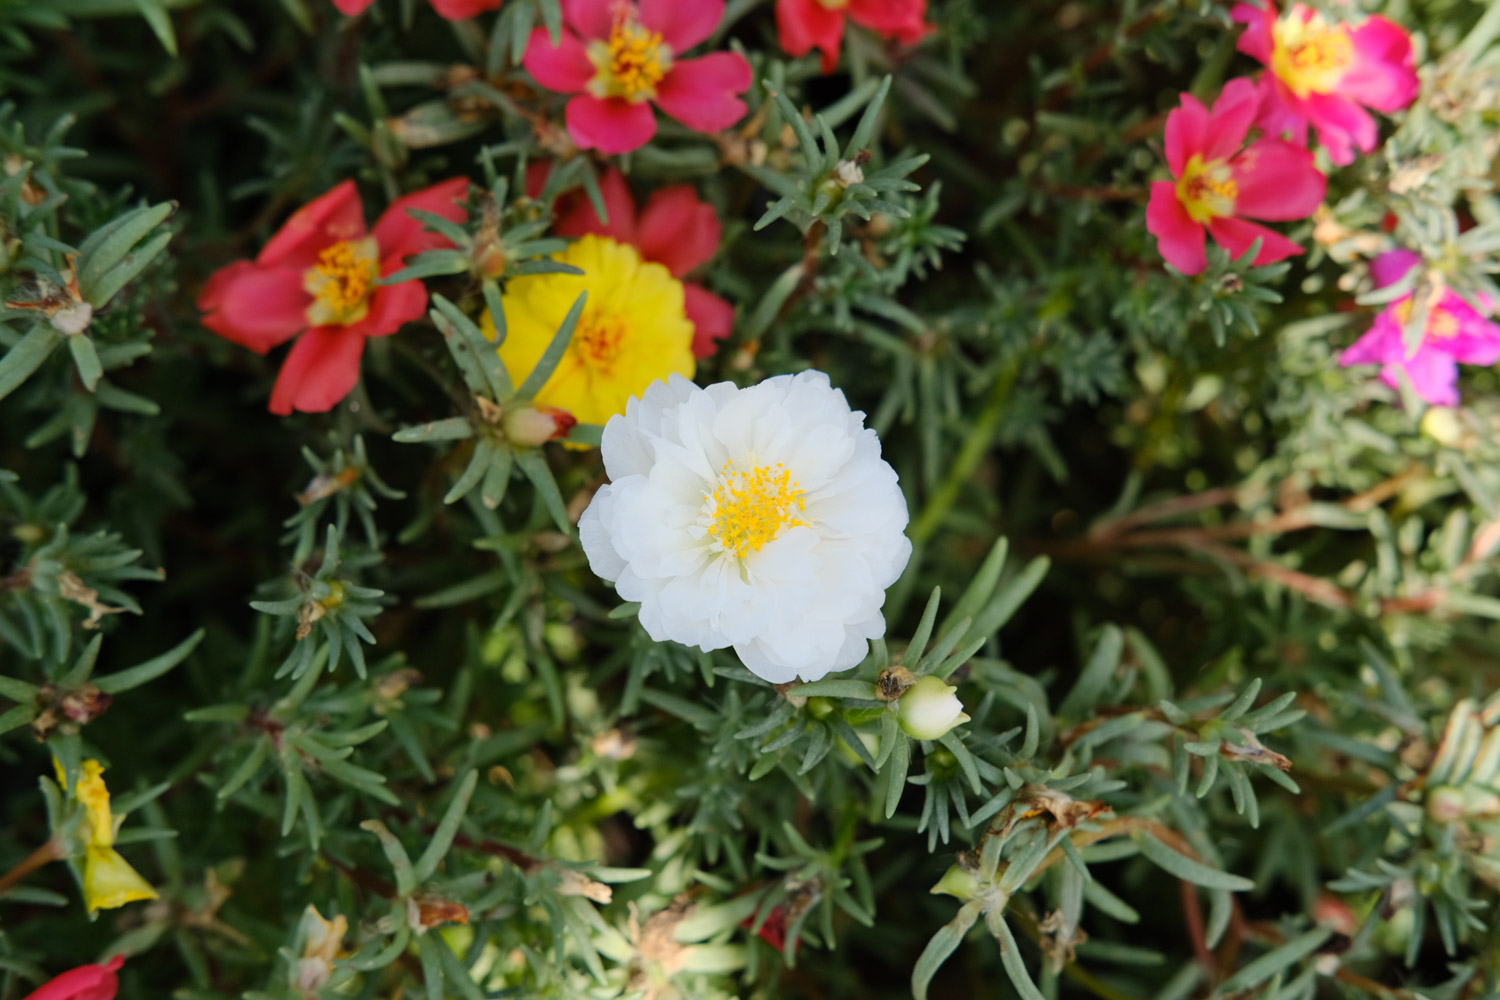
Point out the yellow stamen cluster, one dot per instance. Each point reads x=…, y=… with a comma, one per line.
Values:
x=599, y=339
x=1441, y=324
x=1207, y=190
x=752, y=507
x=342, y=281
x=1310, y=56
x=631, y=62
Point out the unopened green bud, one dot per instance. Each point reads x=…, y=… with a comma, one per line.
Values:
x=929, y=708
x=958, y=882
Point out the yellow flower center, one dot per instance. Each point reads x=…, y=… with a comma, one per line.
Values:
x=342, y=282
x=751, y=507
x=1441, y=324
x=1207, y=190
x=600, y=339
x=631, y=62
x=1311, y=56
x=833, y=4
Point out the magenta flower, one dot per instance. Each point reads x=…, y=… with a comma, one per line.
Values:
x=1325, y=75
x=1456, y=333
x=1218, y=185
x=618, y=57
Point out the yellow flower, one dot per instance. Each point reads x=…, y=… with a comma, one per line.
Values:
x=322, y=943
x=634, y=329
x=108, y=879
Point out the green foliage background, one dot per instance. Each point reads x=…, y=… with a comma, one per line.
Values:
x=1160, y=538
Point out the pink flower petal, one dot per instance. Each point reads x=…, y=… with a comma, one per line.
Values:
x=462, y=10
x=1277, y=181
x=1257, y=18
x=1433, y=376
x=332, y=216
x=1236, y=236
x=678, y=230
x=682, y=25
x=87, y=982
x=1476, y=341
x=1382, y=76
x=611, y=125
x=1186, y=133
x=564, y=68
x=1280, y=111
x=577, y=217
x=392, y=306
x=590, y=18
x=898, y=19
x=1391, y=266
x=1377, y=345
x=401, y=234
x=1178, y=237
x=804, y=25
x=254, y=306
x=712, y=318
x=700, y=93
x=351, y=8
x=1341, y=125
x=1229, y=122
x=321, y=368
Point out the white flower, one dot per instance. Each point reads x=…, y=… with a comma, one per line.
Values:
x=930, y=708
x=761, y=518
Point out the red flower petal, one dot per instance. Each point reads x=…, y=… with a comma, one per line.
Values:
x=804, y=25
x=898, y=19
x=564, y=68
x=678, y=230
x=1178, y=237
x=401, y=234
x=1256, y=41
x=87, y=982
x=590, y=18
x=577, y=217
x=712, y=318
x=1185, y=134
x=1382, y=76
x=462, y=10
x=320, y=369
x=1341, y=125
x=700, y=93
x=350, y=8
x=1277, y=181
x=333, y=216
x=1230, y=120
x=254, y=306
x=610, y=125
x=1236, y=235
x=392, y=306
x=682, y=25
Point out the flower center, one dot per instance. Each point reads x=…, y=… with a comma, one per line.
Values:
x=1207, y=190
x=631, y=62
x=1310, y=56
x=600, y=339
x=1441, y=324
x=751, y=507
x=833, y=4
x=342, y=281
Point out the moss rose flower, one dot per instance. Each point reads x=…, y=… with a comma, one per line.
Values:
x=761, y=518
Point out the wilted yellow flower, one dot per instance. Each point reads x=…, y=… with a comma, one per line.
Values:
x=108, y=879
x=322, y=942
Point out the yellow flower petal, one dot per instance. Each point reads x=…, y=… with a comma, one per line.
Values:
x=109, y=881
x=634, y=329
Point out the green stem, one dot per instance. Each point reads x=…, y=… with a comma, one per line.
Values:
x=980, y=436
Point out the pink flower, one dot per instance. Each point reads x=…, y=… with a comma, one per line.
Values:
x=317, y=277
x=804, y=25
x=1325, y=75
x=453, y=10
x=1456, y=333
x=675, y=230
x=1219, y=185
x=619, y=56
x=87, y=982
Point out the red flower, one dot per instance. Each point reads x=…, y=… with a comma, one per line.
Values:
x=1325, y=74
x=1219, y=185
x=772, y=929
x=87, y=982
x=619, y=56
x=317, y=277
x=453, y=10
x=804, y=25
x=675, y=230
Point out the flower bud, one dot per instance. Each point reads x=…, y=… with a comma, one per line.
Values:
x=534, y=424
x=958, y=882
x=930, y=708
x=1441, y=423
